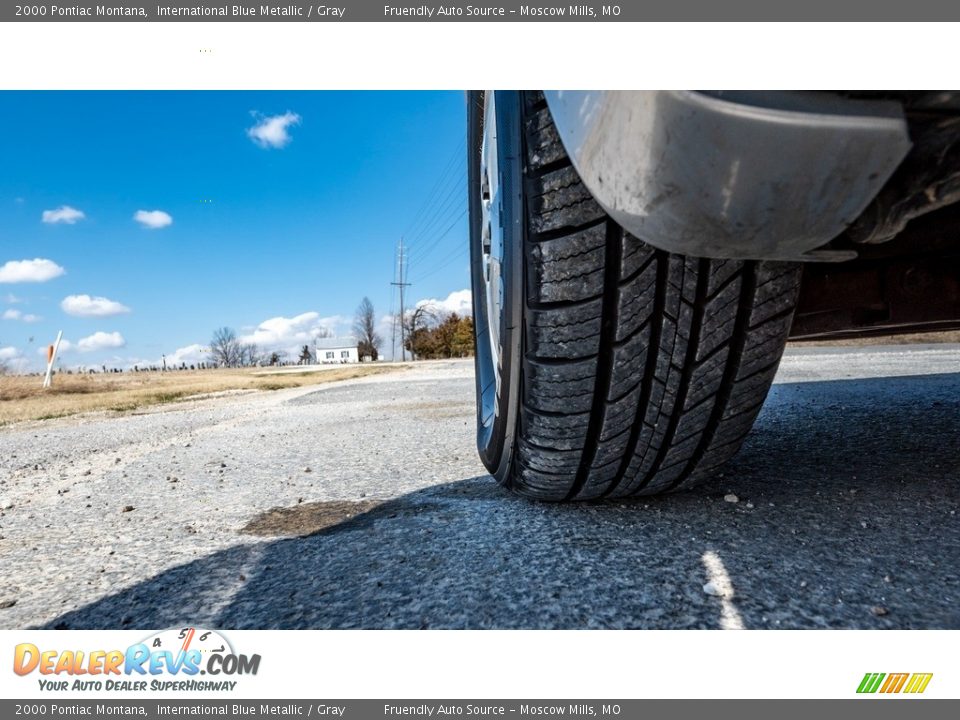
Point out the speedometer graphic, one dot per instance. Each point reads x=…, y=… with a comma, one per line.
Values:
x=177, y=640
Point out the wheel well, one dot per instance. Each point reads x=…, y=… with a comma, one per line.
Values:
x=909, y=284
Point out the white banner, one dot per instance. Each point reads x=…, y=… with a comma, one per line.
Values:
x=475, y=664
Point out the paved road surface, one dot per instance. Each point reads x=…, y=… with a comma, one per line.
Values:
x=363, y=505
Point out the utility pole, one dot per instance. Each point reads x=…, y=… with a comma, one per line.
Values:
x=401, y=284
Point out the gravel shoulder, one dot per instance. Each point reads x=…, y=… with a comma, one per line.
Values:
x=362, y=504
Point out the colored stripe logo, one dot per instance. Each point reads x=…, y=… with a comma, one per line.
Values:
x=913, y=683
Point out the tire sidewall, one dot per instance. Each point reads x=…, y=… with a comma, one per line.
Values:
x=496, y=440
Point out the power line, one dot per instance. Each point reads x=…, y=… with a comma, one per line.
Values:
x=439, y=231
x=438, y=183
x=446, y=232
x=451, y=213
x=460, y=151
x=453, y=199
x=455, y=255
x=445, y=194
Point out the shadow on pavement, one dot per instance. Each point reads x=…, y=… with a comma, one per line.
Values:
x=847, y=517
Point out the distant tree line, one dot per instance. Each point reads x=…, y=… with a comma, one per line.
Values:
x=428, y=334
x=227, y=350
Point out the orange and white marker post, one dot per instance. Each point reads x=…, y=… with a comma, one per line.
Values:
x=51, y=358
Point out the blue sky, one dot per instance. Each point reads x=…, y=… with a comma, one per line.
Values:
x=173, y=213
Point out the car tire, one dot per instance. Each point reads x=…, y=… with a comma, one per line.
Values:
x=619, y=369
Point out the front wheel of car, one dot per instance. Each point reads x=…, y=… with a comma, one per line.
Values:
x=605, y=367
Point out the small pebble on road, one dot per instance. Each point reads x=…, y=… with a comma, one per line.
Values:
x=711, y=589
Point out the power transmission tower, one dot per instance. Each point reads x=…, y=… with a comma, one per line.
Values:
x=401, y=261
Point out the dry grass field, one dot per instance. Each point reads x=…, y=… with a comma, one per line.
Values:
x=23, y=398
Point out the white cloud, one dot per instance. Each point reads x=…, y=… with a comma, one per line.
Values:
x=271, y=131
x=36, y=270
x=63, y=214
x=153, y=219
x=189, y=355
x=100, y=341
x=14, y=314
x=86, y=306
x=459, y=302
x=12, y=299
x=283, y=333
x=13, y=359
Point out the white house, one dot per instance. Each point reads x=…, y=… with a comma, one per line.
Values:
x=336, y=350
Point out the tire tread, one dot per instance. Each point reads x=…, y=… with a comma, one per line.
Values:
x=643, y=371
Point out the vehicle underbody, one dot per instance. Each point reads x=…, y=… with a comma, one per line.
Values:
x=906, y=274
x=860, y=187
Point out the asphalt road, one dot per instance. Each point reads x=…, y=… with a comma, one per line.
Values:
x=362, y=504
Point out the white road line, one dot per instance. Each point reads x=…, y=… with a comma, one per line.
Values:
x=718, y=582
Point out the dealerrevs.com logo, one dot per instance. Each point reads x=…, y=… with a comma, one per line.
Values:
x=889, y=683
x=170, y=660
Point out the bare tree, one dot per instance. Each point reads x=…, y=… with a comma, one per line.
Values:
x=249, y=354
x=365, y=328
x=416, y=323
x=306, y=357
x=226, y=348
x=4, y=367
x=324, y=333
